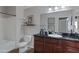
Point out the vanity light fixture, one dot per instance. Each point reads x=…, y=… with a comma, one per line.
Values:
x=56, y=8
x=62, y=7
x=50, y=9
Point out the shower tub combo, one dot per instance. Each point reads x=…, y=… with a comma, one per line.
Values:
x=6, y=46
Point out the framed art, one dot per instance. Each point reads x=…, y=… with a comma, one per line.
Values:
x=30, y=19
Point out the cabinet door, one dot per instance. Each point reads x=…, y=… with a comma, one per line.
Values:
x=59, y=49
x=38, y=46
x=49, y=48
x=49, y=45
x=72, y=50
x=72, y=46
x=77, y=44
x=59, y=46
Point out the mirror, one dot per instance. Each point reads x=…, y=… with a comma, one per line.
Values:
x=63, y=24
x=51, y=24
x=57, y=21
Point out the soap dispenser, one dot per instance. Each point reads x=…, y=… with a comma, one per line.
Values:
x=45, y=32
x=41, y=31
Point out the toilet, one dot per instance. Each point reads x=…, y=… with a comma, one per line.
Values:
x=25, y=43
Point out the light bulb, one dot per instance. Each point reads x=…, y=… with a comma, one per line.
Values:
x=50, y=9
x=62, y=7
x=56, y=8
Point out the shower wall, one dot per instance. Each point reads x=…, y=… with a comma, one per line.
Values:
x=10, y=28
x=7, y=23
x=1, y=27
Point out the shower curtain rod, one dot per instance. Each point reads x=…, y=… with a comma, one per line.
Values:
x=7, y=14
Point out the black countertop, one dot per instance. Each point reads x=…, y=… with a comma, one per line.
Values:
x=63, y=38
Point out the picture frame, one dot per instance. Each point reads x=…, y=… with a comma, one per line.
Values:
x=30, y=19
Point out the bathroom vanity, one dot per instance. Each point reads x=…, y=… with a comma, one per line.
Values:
x=46, y=44
x=60, y=22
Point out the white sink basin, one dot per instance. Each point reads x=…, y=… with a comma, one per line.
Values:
x=54, y=35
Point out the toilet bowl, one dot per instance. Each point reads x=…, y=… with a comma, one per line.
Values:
x=24, y=43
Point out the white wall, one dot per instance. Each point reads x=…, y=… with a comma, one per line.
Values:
x=7, y=25
x=10, y=28
x=19, y=20
x=36, y=11
x=1, y=27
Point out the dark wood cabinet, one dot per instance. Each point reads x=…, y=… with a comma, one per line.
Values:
x=55, y=45
x=49, y=45
x=48, y=48
x=71, y=50
x=72, y=46
x=38, y=44
x=59, y=46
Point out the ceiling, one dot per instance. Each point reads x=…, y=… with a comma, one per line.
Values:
x=25, y=7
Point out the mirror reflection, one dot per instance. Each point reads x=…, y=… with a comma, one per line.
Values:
x=76, y=24
x=61, y=21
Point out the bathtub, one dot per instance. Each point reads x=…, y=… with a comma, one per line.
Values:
x=6, y=46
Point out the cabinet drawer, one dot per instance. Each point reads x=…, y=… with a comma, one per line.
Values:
x=72, y=44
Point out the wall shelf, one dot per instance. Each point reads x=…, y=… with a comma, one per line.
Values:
x=29, y=25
